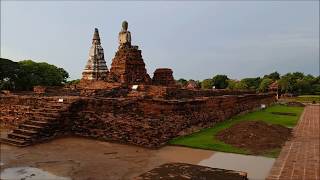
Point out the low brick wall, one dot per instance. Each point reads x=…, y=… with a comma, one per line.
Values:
x=15, y=109
x=151, y=122
x=184, y=93
x=139, y=121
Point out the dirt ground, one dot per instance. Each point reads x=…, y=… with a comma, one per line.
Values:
x=256, y=136
x=88, y=159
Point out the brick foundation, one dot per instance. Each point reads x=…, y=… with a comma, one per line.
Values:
x=135, y=120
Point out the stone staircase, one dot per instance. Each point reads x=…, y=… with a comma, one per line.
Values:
x=44, y=123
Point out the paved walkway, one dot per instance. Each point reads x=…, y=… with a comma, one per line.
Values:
x=299, y=158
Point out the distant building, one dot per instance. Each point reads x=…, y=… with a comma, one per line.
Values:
x=192, y=84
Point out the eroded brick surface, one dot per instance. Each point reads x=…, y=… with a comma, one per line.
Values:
x=141, y=121
x=153, y=122
x=163, y=76
x=299, y=158
x=128, y=67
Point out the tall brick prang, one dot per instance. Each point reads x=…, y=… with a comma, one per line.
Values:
x=128, y=66
x=96, y=68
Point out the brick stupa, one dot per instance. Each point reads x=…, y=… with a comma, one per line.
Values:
x=163, y=77
x=128, y=66
x=96, y=68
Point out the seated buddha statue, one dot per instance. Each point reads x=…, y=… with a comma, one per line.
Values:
x=124, y=35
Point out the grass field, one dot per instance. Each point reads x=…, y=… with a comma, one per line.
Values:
x=205, y=139
x=308, y=98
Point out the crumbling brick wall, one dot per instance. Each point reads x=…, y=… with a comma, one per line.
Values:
x=151, y=122
x=14, y=109
x=184, y=93
x=147, y=122
x=163, y=77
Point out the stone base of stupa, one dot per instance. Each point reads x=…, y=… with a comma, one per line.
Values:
x=98, y=84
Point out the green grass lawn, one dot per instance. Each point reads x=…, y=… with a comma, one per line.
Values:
x=308, y=98
x=205, y=139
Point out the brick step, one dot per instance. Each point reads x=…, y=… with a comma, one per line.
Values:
x=45, y=114
x=56, y=103
x=46, y=109
x=14, y=142
x=57, y=106
x=42, y=118
x=25, y=131
x=30, y=127
x=36, y=122
x=19, y=136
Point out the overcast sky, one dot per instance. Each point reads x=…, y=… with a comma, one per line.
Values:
x=196, y=39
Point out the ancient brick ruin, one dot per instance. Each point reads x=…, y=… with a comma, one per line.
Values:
x=96, y=68
x=106, y=105
x=163, y=77
x=142, y=121
x=128, y=67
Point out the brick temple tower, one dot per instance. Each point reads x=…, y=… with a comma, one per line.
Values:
x=128, y=66
x=96, y=68
x=163, y=77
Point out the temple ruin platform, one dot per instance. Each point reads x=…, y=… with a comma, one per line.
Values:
x=149, y=116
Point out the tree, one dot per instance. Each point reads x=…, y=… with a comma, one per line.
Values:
x=207, y=84
x=237, y=85
x=26, y=74
x=241, y=85
x=231, y=84
x=298, y=83
x=220, y=81
x=273, y=76
x=303, y=86
x=42, y=74
x=297, y=75
x=316, y=86
x=64, y=74
x=9, y=72
x=264, y=85
x=75, y=81
x=182, y=81
x=284, y=84
x=251, y=83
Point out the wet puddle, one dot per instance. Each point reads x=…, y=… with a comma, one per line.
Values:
x=257, y=167
x=28, y=173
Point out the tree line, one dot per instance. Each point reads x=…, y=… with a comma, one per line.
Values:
x=296, y=83
x=23, y=75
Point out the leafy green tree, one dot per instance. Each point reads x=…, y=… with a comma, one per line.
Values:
x=303, y=86
x=316, y=86
x=26, y=74
x=284, y=84
x=273, y=76
x=297, y=75
x=237, y=85
x=298, y=83
x=9, y=72
x=231, y=84
x=241, y=85
x=207, y=84
x=251, y=83
x=64, y=74
x=182, y=81
x=264, y=85
x=75, y=81
x=220, y=81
